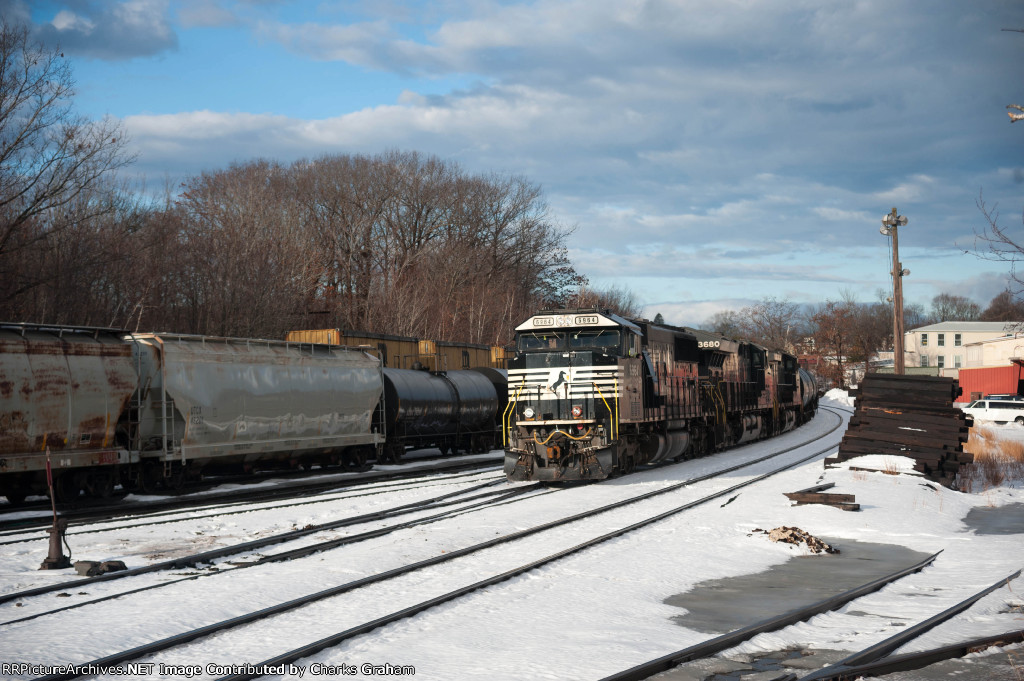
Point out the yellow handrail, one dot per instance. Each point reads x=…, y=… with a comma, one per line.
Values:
x=615, y=414
x=508, y=408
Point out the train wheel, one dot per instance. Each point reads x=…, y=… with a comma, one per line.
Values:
x=175, y=482
x=627, y=464
x=391, y=454
x=67, y=487
x=16, y=497
x=354, y=459
x=147, y=477
x=100, y=484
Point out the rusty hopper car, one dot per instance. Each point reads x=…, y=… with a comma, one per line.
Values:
x=61, y=388
x=591, y=394
x=205, y=400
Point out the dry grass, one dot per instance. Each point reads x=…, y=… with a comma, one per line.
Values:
x=996, y=461
x=890, y=466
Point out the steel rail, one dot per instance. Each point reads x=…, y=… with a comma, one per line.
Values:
x=239, y=507
x=883, y=648
x=213, y=554
x=185, y=637
x=911, y=661
x=243, y=495
x=504, y=498
x=733, y=638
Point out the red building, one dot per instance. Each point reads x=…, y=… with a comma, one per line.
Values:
x=981, y=381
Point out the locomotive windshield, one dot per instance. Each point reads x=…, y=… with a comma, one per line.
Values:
x=540, y=340
x=603, y=339
x=608, y=341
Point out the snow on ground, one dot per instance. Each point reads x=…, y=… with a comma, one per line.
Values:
x=596, y=612
x=838, y=397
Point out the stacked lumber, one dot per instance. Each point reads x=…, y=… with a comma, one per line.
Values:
x=909, y=416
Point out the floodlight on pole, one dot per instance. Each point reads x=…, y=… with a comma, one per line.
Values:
x=891, y=223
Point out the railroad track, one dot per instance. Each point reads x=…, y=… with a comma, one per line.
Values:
x=317, y=485
x=135, y=521
x=421, y=570
x=870, y=661
x=457, y=498
x=258, y=477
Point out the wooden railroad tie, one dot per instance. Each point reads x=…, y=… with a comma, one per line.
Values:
x=814, y=495
x=910, y=416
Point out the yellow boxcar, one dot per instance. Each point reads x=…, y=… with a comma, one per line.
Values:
x=404, y=352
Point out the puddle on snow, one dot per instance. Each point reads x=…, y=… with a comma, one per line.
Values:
x=720, y=605
x=1007, y=519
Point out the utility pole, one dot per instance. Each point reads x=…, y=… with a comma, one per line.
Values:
x=890, y=224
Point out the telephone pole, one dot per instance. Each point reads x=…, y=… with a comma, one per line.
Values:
x=890, y=224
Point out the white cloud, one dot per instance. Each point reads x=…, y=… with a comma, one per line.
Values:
x=113, y=31
x=205, y=13
x=66, y=20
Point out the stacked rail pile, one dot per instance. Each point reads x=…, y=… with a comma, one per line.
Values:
x=909, y=416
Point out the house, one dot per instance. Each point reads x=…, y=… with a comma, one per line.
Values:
x=954, y=345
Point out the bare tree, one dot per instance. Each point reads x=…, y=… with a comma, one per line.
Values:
x=621, y=301
x=948, y=307
x=54, y=164
x=725, y=322
x=246, y=259
x=915, y=316
x=870, y=329
x=832, y=323
x=773, y=323
x=997, y=243
x=1003, y=308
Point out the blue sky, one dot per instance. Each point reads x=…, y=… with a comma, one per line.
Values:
x=708, y=153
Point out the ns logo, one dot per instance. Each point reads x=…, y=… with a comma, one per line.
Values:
x=557, y=378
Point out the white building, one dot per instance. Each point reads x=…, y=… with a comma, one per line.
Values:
x=954, y=345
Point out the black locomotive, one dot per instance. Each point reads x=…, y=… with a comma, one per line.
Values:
x=591, y=394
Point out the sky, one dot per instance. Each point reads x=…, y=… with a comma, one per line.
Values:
x=706, y=154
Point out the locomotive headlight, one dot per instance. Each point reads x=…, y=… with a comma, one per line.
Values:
x=577, y=411
x=529, y=412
